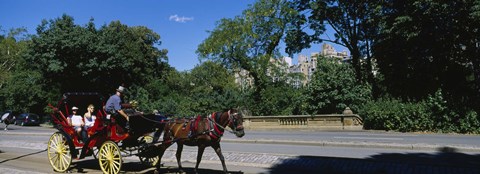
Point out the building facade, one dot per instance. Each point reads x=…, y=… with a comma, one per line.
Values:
x=305, y=67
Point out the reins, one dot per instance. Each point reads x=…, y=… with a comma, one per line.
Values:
x=155, y=121
x=230, y=119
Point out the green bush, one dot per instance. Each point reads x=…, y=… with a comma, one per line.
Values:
x=470, y=123
x=432, y=114
x=393, y=114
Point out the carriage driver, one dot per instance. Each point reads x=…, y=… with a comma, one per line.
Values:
x=113, y=105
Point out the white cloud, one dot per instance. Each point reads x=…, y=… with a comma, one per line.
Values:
x=182, y=19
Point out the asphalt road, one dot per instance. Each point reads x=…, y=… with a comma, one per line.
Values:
x=23, y=151
x=377, y=139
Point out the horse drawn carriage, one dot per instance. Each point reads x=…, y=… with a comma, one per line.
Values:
x=107, y=141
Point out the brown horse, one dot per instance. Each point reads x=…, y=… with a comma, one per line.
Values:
x=201, y=132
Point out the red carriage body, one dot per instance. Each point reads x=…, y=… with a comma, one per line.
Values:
x=106, y=140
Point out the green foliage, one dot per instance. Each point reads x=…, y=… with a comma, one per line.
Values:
x=207, y=88
x=279, y=99
x=14, y=80
x=432, y=114
x=12, y=46
x=440, y=113
x=213, y=88
x=23, y=92
x=98, y=59
x=470, y=123
x=249, y=41
x=352, y=22
x=333, y=88
x=414, y=51
x=393, y=114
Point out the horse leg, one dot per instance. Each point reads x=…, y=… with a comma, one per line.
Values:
x=201, y=149
x=162, y=148
x=179, y=156
x=218, y=150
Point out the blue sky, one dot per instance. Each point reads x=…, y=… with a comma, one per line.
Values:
x=182, y=24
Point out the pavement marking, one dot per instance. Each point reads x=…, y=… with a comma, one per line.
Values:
x=369, y=138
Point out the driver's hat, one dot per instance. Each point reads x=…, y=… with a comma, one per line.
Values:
x=120, y=89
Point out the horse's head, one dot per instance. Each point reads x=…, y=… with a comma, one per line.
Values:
x=236, y=122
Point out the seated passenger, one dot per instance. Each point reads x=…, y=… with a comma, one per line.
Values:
x=89, y=117
x=77, y=122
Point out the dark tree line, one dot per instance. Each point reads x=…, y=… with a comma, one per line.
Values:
x=418, y=46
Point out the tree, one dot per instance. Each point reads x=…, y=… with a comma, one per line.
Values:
x=12, y=46
x=207, y=88
x=170, y=94
x=82, y=58
x=24, y=91
x=12, y=74
x=249, y=41
x=350, y=21
x=280, y=99
x=428, y=45
x=333, y=88
x=213, y=88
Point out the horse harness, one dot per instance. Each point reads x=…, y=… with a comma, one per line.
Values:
x=214, y=129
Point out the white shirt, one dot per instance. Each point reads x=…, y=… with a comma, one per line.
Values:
x=77, y=120
x=90, y=122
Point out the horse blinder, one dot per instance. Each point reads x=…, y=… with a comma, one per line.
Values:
x=236, y=127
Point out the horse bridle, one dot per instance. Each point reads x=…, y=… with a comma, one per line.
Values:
x=231, y=120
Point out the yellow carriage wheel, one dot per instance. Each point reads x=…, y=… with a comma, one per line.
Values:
x=110, y=158
x=148, y=161
x=59, y=152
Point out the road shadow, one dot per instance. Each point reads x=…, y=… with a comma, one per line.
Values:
x=83, y=166
x=22, y=156
x=445, y=161
x=170, y=169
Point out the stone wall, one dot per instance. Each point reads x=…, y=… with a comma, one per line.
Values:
x=326, y=121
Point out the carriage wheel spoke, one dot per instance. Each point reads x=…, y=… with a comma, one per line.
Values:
x=58, y=152
x=115, y=169
x=56, y=159
x=110, y=158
